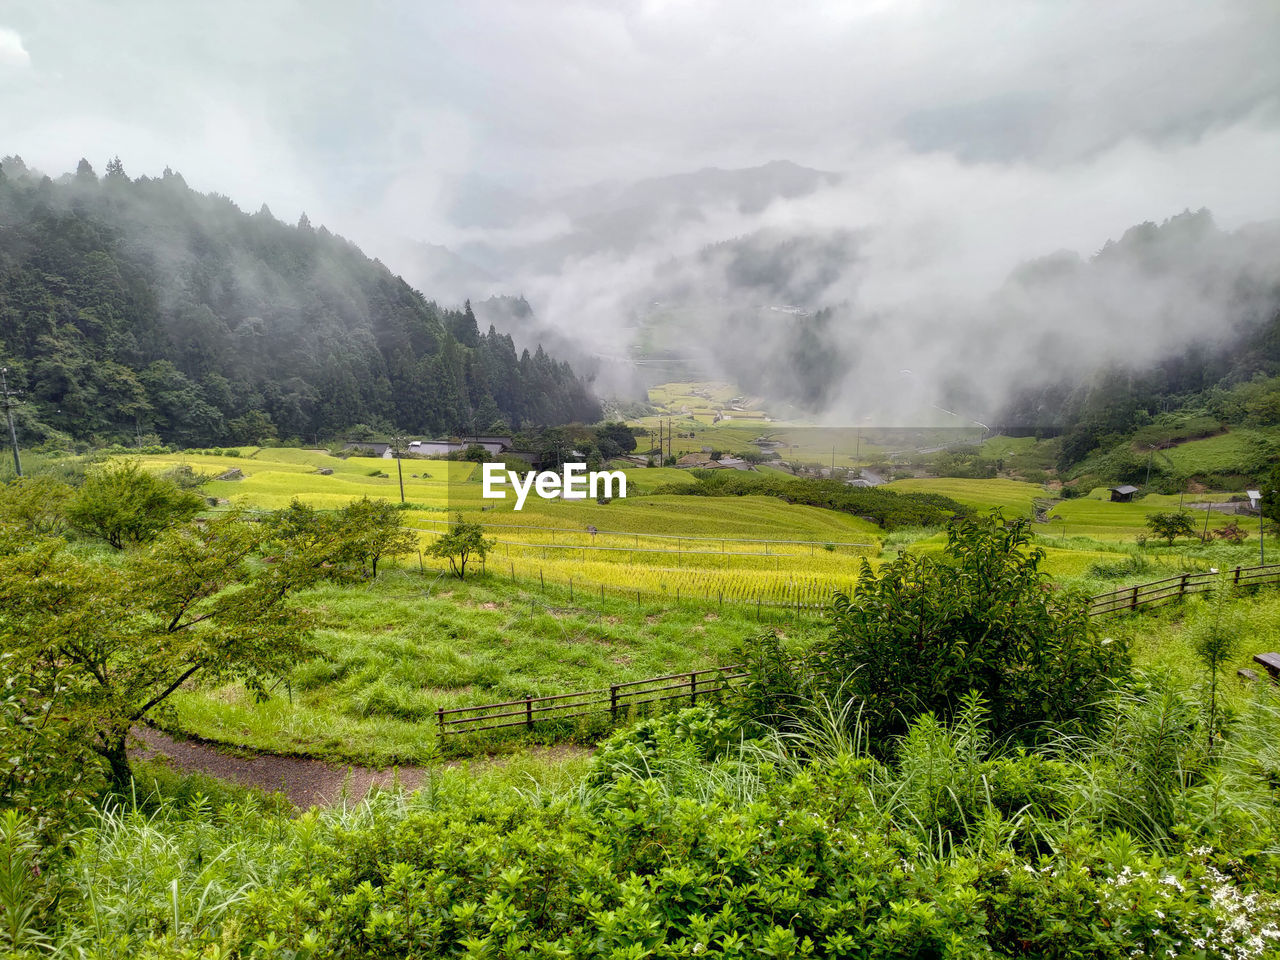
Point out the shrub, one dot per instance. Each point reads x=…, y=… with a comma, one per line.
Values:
x=1170, y=526
x=464, y=541
x=922, y=632
x=126, y=506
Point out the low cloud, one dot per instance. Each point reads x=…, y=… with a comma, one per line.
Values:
x=13, y=55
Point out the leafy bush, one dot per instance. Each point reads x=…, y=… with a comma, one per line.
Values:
x=921, y=632
x=37, y=503
x=1170, y=526
x=126, y=506
x=949, y=849
x=687, y=737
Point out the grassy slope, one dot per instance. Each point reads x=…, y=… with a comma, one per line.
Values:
x=1013, y=496
x=1226, y=453
x=393, y=651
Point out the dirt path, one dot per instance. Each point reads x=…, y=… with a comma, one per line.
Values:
x=305, y=782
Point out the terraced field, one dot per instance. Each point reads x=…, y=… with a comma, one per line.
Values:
x=718, y=550
x=1014, y=497
x=665, y=548
x=667, y=583
x=1095, y=516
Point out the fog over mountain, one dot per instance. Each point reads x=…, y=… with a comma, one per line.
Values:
x=814, y=197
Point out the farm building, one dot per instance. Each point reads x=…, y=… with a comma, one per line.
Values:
x=432, y=448
x=704, y=462
x=369, y=448
x=1123, y=494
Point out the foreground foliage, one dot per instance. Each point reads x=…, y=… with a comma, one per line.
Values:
x=685, y=842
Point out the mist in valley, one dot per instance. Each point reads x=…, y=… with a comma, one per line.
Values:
x=857, y=212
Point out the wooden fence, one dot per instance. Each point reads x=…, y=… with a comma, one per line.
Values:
x=619, y=698
x=1172, y=589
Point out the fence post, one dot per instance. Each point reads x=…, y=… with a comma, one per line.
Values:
x=571, y=589
x=1182, y=586
x=542, y=580
x=528, y=712
x=1237, y=583
x=613, y=701
x=693, y=689
x=440, y=719
x=1133, y=598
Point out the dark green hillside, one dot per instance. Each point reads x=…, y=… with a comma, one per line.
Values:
x=140, y=306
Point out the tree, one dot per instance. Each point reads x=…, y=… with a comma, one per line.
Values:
x=371, y=530
x=920, y=633
x=613, y=439
x=124, y=505
x=1271, y=495
x=121, y=638
x=1170, y=526
x=254, y=428
x=463, y=541
x=37, y=502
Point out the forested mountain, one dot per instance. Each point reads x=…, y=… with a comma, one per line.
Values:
x=1215, y=293
x=140, y=306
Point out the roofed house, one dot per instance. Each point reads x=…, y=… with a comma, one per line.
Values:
x=1123, y=494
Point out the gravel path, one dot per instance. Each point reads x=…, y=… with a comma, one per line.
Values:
x=304, y=781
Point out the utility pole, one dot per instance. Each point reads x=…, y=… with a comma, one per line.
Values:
x=397, y=447
x=8, y=412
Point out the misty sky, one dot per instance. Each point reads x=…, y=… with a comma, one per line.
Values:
x=970, y=136
x=367, y=115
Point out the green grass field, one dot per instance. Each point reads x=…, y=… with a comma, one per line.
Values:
x=1239, y=451
x=1095, y=516
x=680, y=576
x=1014, y=497
x=391, y=652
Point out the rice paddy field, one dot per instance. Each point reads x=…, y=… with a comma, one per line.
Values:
x=654, y=546
x=666, y=583
x=718, y=550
